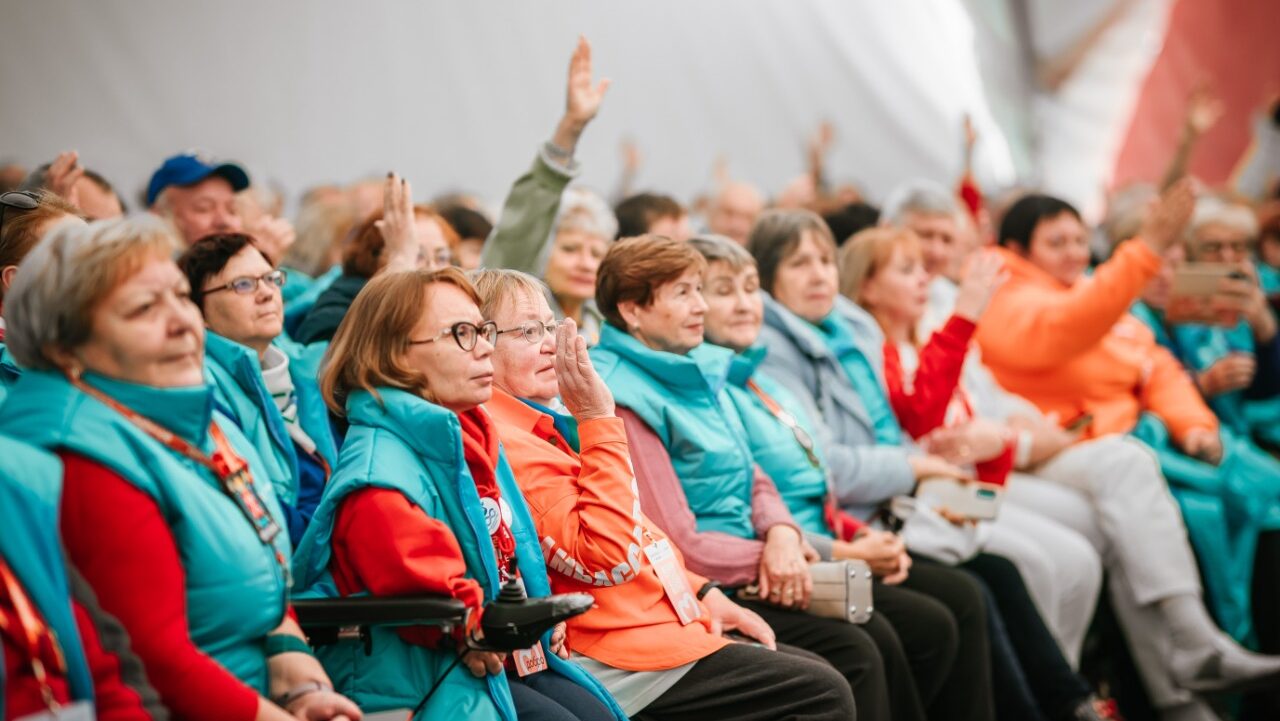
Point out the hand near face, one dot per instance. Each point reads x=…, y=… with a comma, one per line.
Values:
x=582, y=390
x=983, y=278
x=397, y=225
x=274, y=236
x=1163, y=226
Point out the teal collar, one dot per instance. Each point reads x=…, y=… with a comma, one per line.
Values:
x=421, y=424
x=703, y=368
x=186, y=411
x=744, y=364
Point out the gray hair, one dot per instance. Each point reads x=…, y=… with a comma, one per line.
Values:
x=1216, y=210
x=917, y=197
x=499, y=286
x=59, y=283
x=721, y=249
x=586, y=212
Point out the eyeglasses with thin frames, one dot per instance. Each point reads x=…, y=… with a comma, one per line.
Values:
x=533, y=331
x=18, y=200
x=465, y=334
x=247, y=284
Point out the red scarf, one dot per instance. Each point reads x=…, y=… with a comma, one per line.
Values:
x=480, y=447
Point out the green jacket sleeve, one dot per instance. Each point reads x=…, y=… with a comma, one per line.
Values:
x=527, y=217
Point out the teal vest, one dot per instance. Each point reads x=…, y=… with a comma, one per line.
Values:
x=774, y=447
x=405, y=444
x=240, y=393
x=681, y=397
x=835, y=332
x=30, y=488
x=236, y=592
x=9, y=371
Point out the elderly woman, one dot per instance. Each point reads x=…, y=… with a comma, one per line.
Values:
x=166, y=509
x=402, y=237
x=72, y=655
x=274, y=402
x=700, y=483
x=24, y=218
x=659, y=660
x=826, y=354
x=422, y=501
x=782, y=438
x=1068, y=344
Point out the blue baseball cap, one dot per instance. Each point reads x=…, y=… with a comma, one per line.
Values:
x=189, y=169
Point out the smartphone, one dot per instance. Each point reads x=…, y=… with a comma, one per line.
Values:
x=1203, y=280
x=971, y=499
x=1079, y=423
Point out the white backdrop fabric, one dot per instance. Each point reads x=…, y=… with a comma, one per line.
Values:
x=457, y=95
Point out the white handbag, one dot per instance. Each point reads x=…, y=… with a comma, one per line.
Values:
x=841, y=590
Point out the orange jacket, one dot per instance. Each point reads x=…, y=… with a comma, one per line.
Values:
x=1075, y=349
x=587, y=513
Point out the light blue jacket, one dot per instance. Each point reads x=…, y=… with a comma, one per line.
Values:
x=30, y=489
x=405, y=444
x=864, y=474
x=9, y=371
x=681, y=397
x=236, y=591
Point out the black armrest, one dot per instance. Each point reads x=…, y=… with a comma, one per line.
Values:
x=329, y=620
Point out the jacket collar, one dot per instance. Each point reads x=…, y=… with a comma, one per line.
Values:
x=744, y=364
x=703, y=368
x=186, y=411
x=509, y=410
x=803, y=334
x=421, y=424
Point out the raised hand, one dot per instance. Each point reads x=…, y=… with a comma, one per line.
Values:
x=274, y=236
x=582, y=390
x=1163, y=226
x=982, y=279
x=1203, y=111
x=64, y=172
x=583, y=98
x=397, y=226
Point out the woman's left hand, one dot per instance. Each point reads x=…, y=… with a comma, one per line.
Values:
x=973, y=442
x=325, y=706
x=1204, y=444
x=784, y=572
x=557, y=641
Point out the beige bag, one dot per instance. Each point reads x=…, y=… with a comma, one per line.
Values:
x=841, y=590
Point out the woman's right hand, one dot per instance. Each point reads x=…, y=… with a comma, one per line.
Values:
x=982, y=279
x=1232, y=372
x=1165, y=222
x=784, y=572
x=399, y=234
x=883, y=552
x=932, y=466
x=582, y=390
x=481, y=662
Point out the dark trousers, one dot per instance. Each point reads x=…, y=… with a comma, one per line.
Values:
x=882, y=686
x=548, y=696
x=749, y=682
x=963, y=692
x=1265, y=704
x=1057, y=688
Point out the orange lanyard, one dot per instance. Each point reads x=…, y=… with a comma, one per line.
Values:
x=802, y=436
x=230, y=469
x=33, y=630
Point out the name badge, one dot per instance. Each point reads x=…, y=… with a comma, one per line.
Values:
x=674, y=582
x=529, y=661
x=78, y=711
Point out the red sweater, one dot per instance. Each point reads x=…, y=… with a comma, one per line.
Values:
x=922, y=401
x=116, y=536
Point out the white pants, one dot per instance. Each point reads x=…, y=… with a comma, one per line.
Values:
x=1062, y=570
x=1111, y=492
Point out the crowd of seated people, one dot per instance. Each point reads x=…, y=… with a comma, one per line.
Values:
x=686, y=416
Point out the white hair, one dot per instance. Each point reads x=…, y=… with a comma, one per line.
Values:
x=586, y=212
x=1215, y=210
x=917, y=197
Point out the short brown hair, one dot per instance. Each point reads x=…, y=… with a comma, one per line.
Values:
x=636, y=267
x=778, y=233
x=638, y=212
x=363, y=256
x=499, y=287
x=21, y=229
x=367, y=351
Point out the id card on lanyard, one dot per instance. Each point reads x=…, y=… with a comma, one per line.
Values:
x=32, y=630
x=674, y=582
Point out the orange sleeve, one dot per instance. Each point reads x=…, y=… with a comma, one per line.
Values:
x=593, y=518
x=1030, y=327
x=1170, y=393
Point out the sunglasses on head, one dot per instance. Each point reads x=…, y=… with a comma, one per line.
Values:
x=18, y=200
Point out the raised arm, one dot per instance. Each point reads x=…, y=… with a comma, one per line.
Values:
x=529, y=212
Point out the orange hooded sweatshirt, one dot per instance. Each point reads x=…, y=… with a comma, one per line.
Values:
x=1076, y=349
x=587, y=513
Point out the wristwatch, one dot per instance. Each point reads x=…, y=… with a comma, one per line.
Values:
x=707, y=588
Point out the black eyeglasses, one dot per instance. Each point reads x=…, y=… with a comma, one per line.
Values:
x=245, y=285
x=533, y=331
x=465, y=334
x=18, y=200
